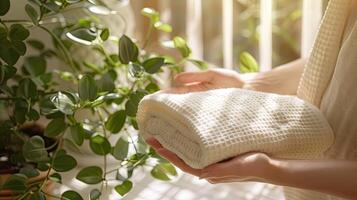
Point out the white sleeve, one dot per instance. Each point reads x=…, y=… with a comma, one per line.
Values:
x=203, y=128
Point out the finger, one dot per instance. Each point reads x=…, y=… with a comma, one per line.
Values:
x=174, y=159
x=194, y=77
x=217, y=170
x=154, y=143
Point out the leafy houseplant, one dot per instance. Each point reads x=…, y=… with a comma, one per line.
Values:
x=38, y=115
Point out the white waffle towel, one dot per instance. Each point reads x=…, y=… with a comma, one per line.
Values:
x=203, y=128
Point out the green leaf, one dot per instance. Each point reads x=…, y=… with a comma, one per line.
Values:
x=90, y=175
x=10, y=71
x=104, y=35
x=38, y=195
x=85, y=36
x=181, y=45
x=18, y=32
x=87, y=88
x=152, y=14
x=27, y=89
x=95, y=194
x=153, y=65
x=131, y=106
x=71, y=195
x=135, y=70
x=19, y=47
x=56, y=177
x=16, y=182
x=35, y=65
x=163, y=171
x=247, y=63
x=106, y=83
x=64, y=163
x=9, y=54
x=36, y=44
x=30, y=172
x=163, y=27
x=116, y=121
x=120, y=150
x=128, y=51
x=32, y=13
x=34, y=149
x=77, y=134
x=55, y=127
x=2, y=74
x=100, y=145
x=4, y=7
x=63, y=103
x=33, y=115
x=152, y=87
x=200, y=64
x=124, y=188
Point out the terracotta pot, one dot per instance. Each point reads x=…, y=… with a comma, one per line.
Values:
x=10, y=195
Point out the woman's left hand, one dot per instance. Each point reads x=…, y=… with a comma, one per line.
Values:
x=247, y=167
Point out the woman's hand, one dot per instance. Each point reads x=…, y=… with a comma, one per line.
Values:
x=207, y=80
x=247, y=167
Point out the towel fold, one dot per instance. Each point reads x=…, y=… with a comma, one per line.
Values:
x=203, y=128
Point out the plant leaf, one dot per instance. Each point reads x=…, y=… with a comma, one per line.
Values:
x=16, y=182
x=153, y=65
x=200, y=64
x=181, y=45
x=120, y=150
x=90, y=175
x=63, y=103
x=27, y=88
x=56, y=177
x=95, y=194
x=116, y=121
x=32, y=13
x=55, y=127
x=35, y=65
x=163, y=171
x=34, y=149
x=71, y=195
x=152, y=14
x=18, y=32
x=84, y=36
x=124, y=188
x=64, y=163
x=4, y=7
x=128, y=51
x=131, y=106
x=100, y=145
x=104, y=35
x=248, y=63
x=87, y=88
x=77, y=134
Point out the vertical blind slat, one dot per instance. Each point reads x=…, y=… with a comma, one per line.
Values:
x=265, y=42
x=227, y=28
x=194, y=27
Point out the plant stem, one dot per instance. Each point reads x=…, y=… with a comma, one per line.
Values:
x=64, y=48
x=16, y=21
x=148, y=35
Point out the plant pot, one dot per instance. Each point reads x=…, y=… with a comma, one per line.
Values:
x=7, y=168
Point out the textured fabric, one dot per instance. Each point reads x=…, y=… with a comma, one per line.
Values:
x=339, y=106
x=207, y=127
x=321, y=64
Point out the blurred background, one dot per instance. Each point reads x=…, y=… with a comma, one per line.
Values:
x=273, y=31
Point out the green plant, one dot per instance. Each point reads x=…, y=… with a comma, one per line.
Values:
x=31, y=91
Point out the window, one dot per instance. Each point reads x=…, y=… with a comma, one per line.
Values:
x=273, y=31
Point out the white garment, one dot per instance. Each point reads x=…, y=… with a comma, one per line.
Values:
x=339, y=104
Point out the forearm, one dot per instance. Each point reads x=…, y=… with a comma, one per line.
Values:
x=281, y=80
x=335, y=177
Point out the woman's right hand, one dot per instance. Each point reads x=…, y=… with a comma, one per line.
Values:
x=206, y=80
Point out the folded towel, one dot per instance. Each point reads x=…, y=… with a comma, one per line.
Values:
x=203, y=128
